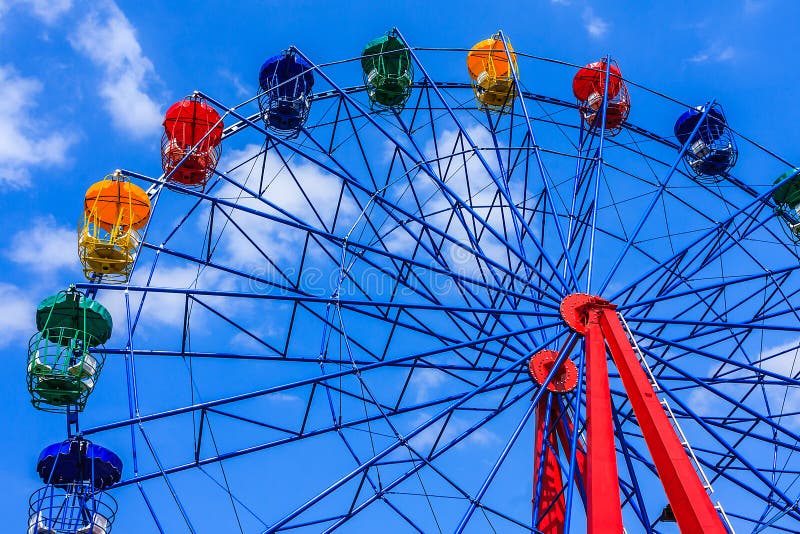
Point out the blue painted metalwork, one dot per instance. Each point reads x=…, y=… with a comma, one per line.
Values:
x=540, y=166
x=656, y=197
x=519, y=219
x=572, y=471
x=598, y=169
x=359, y=294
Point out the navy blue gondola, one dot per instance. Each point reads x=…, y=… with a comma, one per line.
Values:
x=79, y=460
x=75, y=472
x=712, y=151
x=286, y=81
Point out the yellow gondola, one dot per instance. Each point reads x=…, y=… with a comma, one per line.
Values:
x=114, y=210
x=492, y=74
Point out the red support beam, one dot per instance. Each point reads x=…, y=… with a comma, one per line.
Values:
x=604, y=511
x=691, y=504
x=551, y=506
x=597, y=320
x=565, y=436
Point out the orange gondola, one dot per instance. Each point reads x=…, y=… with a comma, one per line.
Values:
x=114, y=210
x=493, y=74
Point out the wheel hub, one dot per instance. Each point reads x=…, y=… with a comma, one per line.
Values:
x=576, y=306
x=565, y=378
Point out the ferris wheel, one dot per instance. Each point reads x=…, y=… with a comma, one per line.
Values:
x=377, y=297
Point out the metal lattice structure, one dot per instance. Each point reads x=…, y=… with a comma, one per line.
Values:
x=335, y=332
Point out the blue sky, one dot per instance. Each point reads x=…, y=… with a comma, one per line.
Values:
x=83, y=87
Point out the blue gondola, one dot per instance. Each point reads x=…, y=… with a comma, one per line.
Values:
x=712, y=150
x=286, y=81
x=75, y=472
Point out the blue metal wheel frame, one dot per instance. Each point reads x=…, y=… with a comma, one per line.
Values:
x=355, y=307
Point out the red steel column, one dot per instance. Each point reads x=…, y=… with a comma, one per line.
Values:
x=604, y=511
x=687, y=496
x=564, y=437
x=551, y=508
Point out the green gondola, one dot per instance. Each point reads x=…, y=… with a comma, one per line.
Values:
x=388, y=72
x=787, y=203
x=65, y=357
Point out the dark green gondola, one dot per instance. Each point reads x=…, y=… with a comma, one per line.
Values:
x=66, y=355
x=787, y=203
x=388, y=72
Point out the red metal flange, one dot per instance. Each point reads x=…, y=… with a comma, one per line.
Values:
x=566, y=377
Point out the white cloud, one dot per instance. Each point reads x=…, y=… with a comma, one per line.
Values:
x=108, y=39
x=470, y=182
x=704, y=403
x=319, y=197
x=785, y=361
x=456, y=425
x=782, y=359
x=17, y=312
x=279, y=240
x=751, y=7
x=596, y=26
x=282, y=397
x=162, y=313
x=424, y=382
x=168, y=308
x=45, y=248
x=236, y=82
x=47, y=11
x=715, y=53
x=25, y=141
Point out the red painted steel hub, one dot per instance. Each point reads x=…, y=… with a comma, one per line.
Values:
x=575, y=309
x=565, y=378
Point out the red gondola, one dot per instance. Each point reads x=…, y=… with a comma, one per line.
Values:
x=190, y=146
x=589, y=86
